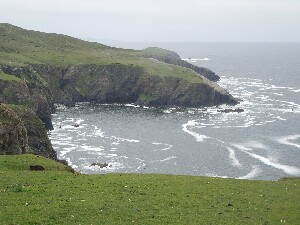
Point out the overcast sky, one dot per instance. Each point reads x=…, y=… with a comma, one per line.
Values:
x=160, y=20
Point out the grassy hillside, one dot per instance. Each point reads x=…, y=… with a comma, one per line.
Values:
x=21, y=47
x=57, y=196
x=4, y=76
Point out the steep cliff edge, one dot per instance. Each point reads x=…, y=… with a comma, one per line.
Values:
x=13, y=134
x=38, y=70
x=117, y=83
x=28, y=89
x=21, y=131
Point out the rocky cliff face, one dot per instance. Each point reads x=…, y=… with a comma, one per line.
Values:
x=13, y=134
x=130, y=84
x=21, y=131
x=38, y=141
x=32, y=91
x=40, y=86
x=44, y=85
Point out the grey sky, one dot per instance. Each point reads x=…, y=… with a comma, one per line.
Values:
x=160, y=20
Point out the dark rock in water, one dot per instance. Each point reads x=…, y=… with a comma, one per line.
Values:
x=238, y=110
x=36, y=168
x=101, y=165
x=76, y=125
x=178, y=109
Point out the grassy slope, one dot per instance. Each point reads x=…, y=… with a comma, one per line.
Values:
x=161, y=52
x=4, y=76
x=20, y=47
x=56, y=196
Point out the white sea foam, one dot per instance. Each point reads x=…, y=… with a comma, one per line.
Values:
x=167, y=111
x=66, y=150
x=242, y=147
x=132, y=105
x=167, y=146
x=191, y=124
x=168, y=159
x=233, y=159
x=99, y=133
x=287, y=140
x=157, y=143
x=280, y=118
x=253, y=173
x=195, y=59
x=79, y=121
x=255, y=144
x=60, y=143
x=291, y=170
x=91, y=148
x=124, y=139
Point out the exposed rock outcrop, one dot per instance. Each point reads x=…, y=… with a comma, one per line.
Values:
x=101, y=165
x=38, y=140
x=13, y=134
x=114, y=83
x=128, y=83
x=32, y=91
x=21, y=131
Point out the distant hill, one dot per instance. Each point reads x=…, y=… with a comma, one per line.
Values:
x=22, y=47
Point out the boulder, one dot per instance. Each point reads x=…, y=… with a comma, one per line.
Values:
x=101, y=165
x=36, y=168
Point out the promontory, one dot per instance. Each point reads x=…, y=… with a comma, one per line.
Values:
x=39, y=70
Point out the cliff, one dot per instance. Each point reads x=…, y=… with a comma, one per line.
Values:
x=38, y=70
x=13, y=134
x=114, y=83
x=21, y=132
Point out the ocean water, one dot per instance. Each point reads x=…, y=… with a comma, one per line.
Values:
x=263, y=142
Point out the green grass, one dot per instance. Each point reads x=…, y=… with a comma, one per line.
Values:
x=161, y=52
x=19, y=47
x=56, y=196
x=144, y=97
x=4, y=76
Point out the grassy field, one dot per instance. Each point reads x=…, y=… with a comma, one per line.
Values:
x=57, y=196
x=19, y=47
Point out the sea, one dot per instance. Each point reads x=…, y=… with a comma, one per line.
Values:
x=262, y=142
